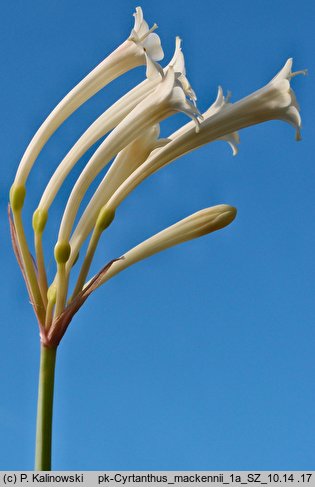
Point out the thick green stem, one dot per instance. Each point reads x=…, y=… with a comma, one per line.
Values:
x=45, y=408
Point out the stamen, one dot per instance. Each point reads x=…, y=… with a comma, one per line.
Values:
x=302, y=71
x=228, y=97
x=153, y=28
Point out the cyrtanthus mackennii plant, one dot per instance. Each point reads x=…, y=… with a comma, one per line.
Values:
x=135, y=151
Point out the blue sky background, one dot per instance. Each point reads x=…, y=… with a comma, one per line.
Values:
x=203, y=356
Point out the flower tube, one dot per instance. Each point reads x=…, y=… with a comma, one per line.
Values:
x=106, y=122
x=109, y=119
x=142, y=43
x=127, y=161
x=194, y=226
x=124, y=164
x=103, y=124
x=275, y=101
x=166, y=100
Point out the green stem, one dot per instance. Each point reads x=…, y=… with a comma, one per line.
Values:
x=62, y=288
x=42, y=277
x=28, y=266
x=87, y=262
x=45, y=408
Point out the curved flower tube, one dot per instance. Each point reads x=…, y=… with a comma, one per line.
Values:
x=107, y=121
x=142, y=43
x=168, y=99
x=124, y=164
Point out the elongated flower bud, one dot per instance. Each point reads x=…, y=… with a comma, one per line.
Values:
x=194, y=226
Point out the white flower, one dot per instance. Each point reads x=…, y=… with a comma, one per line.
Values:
x=275, y=101
x=194, y=226
x=102, y=125
x=167, y=99
x=112, y=117
x=124, y=164
x=141, y=45
x=142, y=36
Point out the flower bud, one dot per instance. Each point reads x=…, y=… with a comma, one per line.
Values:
x=62, y=252
x=104, y=219
x=40, y=217
x=17, y=196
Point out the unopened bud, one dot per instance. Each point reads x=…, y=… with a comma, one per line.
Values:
x=40, y=217
x=62, y=252
x=52, y=293
x=17, y=196
x=104, y=219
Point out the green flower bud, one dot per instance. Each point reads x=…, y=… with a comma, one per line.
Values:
x=17, y=196
x=40, y=217
x=52, y=293
x=104, y=219
x=62, y=252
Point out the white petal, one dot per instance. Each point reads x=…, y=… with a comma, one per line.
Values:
x=146, y=40
x=233, y=140
x=152, y=45
x=178, y=61
x=140, y=27
x=285, y=72
x=153, y=70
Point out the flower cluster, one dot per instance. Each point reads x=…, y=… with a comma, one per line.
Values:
x=132, y=144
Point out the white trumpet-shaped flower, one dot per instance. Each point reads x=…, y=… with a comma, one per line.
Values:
x=141, y=45
x=275, y=101
x=194, y=226
x=108, y=120
x=124, y=164
x=142, y=35
x=167, y=99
